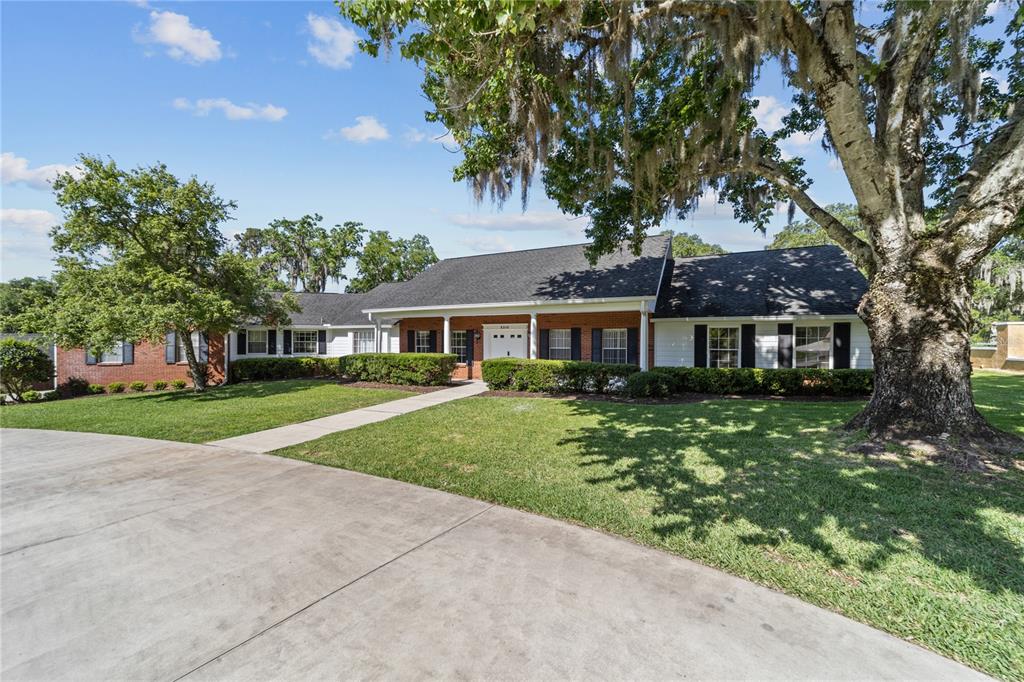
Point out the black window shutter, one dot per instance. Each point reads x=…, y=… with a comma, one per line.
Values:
x=128, y=353
x=204, y=347
x=171, y=348
x=469, y=347
x=700, y=345
x=286, y=342
x=90, y=359
x=271, y=342
x=633, y=346
x=596, y=339
x=576, y=343
x=545, y=340
x=785, y=344
x=433, y=341
x=748, y=333
x=240, y=341
x=841, y=345
x=321, y=342
x=410, y=341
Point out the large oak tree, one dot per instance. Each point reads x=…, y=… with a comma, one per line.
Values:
x=636, y=109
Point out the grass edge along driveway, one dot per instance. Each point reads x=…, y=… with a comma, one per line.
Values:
x=185, y=416
x=762, y=489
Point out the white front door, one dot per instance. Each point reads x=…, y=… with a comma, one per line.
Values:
x=505, y=341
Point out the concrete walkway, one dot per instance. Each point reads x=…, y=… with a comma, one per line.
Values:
x=293, y=434
x=127, y=558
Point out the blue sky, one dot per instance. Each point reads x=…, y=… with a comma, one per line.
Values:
x=273, y=103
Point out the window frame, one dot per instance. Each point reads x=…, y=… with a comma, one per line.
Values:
x=116, y=355
x=623, y=349
x=713, y=359
x=357, y=340
x=562, y=352
x=462, y=357
x=295, y=341
x=249, y=340
x=829, y=337
x=417, y=344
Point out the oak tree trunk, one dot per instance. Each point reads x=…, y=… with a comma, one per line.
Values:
x=195, y=368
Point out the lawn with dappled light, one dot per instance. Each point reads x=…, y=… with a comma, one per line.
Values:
x=764, y=489
x=197, y=418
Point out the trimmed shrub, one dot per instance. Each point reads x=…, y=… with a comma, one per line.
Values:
x=179, y=384
x=115, y=387
x=73, y=387
x=664, y=381
x=29, y=396
x=650, y=385
x=269, y=369
x=138, y=386
x=96, y=389
x=159, y=385
x=555, y=376
x=22, y=364
x=417, y=369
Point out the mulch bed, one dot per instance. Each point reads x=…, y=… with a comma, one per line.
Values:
x=678, y=399
x=397, y=387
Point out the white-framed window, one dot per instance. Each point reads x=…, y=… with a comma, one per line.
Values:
x=304, y=341
x=560, y=344
x=181, y=346
x=114, y=356
x=423, y=344
x=362, y=341
x=256, y=341
x=459, y=337
x=813, y=346
x=724, y=347
x=613, y=346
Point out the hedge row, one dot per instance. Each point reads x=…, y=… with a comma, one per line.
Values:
x=554, y=376
x=662, y=382
x=268, y=369
x=417, y=369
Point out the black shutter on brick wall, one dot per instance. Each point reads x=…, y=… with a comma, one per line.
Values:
x=633, y=346
x=469, y=347
x=271, y=342
x=240, y=341
x=596, y=337
x=748, y=334
x=841, y=345
x=128, y=353
x=545, y=340
x=700, y=345
x=286, y=342
x=576, y=344
x=410, y=341
x=785, y=344
x=433, y=341
x=171, y=348
x=321, y=342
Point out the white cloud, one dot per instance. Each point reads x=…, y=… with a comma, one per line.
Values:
x=1001, y=83
x=14, y=169
x=366, y=129
x=993, y=8
x=769, y=112
x=487, y=244
x=538, y=221
x=333, y=43
x=232, y=111
x=31, y=221
x=415, y=135
x=183, y=41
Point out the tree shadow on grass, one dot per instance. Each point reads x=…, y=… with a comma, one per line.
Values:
x=781, y=470
x=262, y=389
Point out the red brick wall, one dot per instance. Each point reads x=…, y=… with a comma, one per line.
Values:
x=149, y=365
x=585, y=321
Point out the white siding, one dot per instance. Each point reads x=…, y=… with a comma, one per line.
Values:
x=673, y=343
x=339, y=342
x=860, y=346
x=766, y=345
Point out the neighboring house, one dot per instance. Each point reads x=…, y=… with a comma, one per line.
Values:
x=1006, y=353
x=777, y=308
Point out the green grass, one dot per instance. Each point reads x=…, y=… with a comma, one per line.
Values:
x=763, y=489
x=197, y=418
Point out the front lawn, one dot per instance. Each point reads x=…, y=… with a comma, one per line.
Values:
x=198, y=418
x=763, y=489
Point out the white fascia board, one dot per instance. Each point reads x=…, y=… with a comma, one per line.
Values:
x=583, y=305
x=760, y=318
x=368, y=325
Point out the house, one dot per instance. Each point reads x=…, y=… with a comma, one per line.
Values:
x=777, y=308
x=1006, y=353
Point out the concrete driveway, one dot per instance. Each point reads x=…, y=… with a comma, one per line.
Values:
x=130, y=558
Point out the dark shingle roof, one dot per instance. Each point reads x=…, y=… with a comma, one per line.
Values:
x=339, y=309
x=817, y=280
x=549, y=274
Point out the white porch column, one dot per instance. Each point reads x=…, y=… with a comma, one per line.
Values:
x=447, y=334
x=643, y=338
x=533, y=336
x=376, y=336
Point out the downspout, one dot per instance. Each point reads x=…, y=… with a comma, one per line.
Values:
x=227, y=359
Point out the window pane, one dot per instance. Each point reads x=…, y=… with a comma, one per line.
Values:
x=115, y=354
x=303, y=341
x=423, y=342
x=560, y=344
x=459, y=344
x=181, y=347
x=723, y=347
x=362, y=341
x=613, y=345
x=813, y=346
x=256, y=340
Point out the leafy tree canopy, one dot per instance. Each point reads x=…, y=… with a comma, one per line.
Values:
x=22, y=364
x=685, y=244
x=20, y=296
x=386, y=259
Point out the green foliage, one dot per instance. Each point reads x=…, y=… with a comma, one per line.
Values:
x=662, y=382
x=386, y=259
x=140, y=251
x=159, y=385
x=686, y=244
x=30, y=396
x=179, y=384
x=302, y=251
x=554, y=376
x=19, y=297
x=809, y=233
x=115, y=387
x=414, y=369
x=72, y=387
x=22, y=364
x=263, y=369
x=138, y=386
x=97, y=389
